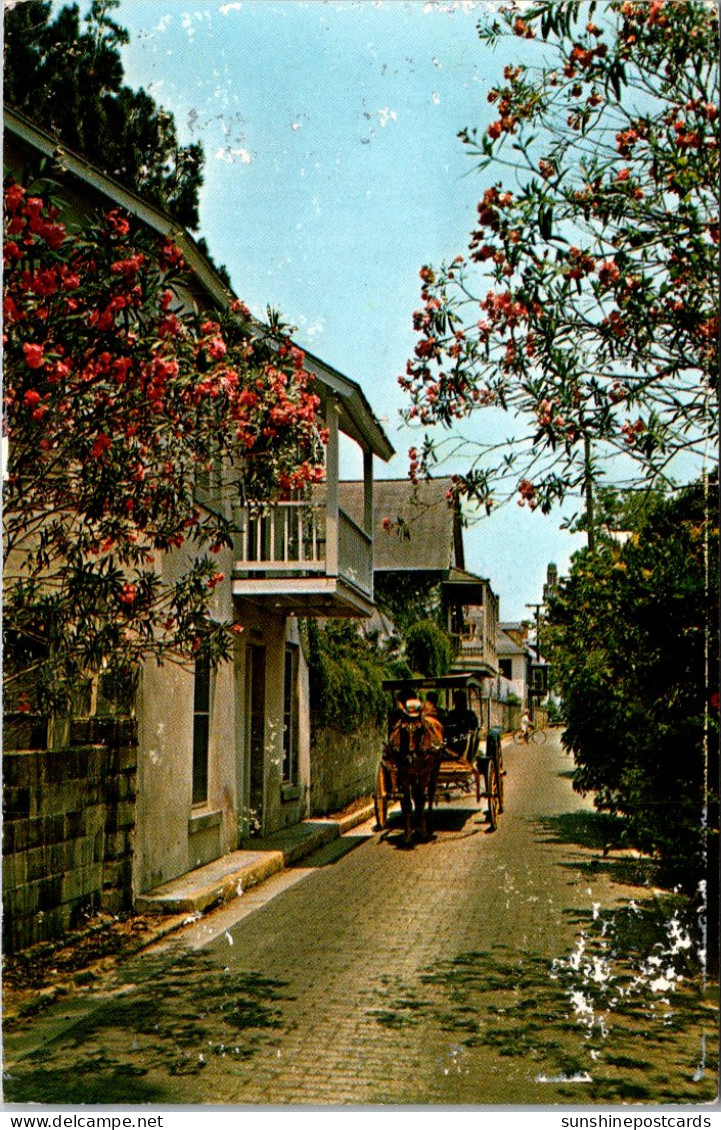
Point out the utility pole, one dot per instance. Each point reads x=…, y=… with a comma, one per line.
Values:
x=537, y=616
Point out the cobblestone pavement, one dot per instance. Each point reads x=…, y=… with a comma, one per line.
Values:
x=478, y=968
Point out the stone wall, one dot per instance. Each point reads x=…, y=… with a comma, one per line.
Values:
x=68, y=825
x=343, y=767
x=507, y=715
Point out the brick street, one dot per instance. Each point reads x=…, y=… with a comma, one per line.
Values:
x=376, y=975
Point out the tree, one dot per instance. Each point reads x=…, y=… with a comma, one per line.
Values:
x=587, y=305
x=116, y=402
x=632, y=635
x=346, y=672
x=428, y=648
x=68, y=78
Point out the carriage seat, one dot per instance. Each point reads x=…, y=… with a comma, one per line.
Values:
x=463, y=747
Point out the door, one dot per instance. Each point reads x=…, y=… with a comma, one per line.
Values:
x=256, y=737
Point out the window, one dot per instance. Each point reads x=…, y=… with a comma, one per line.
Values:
x=201, y=730
x=505, y=666
x=290, y=716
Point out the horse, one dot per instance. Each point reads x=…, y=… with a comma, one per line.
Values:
x=415, y=747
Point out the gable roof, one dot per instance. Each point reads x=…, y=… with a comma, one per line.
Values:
x=436, y=540
x=80, y=179
x=506, y=646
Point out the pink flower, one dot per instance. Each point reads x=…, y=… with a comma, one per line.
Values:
x=216, y=348
x=33, y=355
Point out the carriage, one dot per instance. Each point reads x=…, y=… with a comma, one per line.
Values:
x=461, y=761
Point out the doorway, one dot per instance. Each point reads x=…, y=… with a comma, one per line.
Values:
x=256, y=737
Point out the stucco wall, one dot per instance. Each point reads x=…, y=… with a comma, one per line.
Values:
x=343, y=767
x=174, y=836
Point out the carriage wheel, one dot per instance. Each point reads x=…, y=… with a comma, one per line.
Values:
x=499, y=778
x=492, y=794
x=380, y=800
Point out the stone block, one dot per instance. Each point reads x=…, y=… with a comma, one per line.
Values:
x=14, y=871
x=127, y=757
x=117, y=874
x=115, y=845
x=125, y=814
x=37, y=864
x=24, y=732
x=35, y=831
x=74, y=824
x=99, y=846
x=20, y=835
x=113, y=901
x=50, y=892
x=16, y=803
x=85, y=851
x=76, y=884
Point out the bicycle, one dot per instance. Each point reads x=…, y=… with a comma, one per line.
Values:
x=523, y=737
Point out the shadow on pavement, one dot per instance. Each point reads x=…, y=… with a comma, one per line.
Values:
x=332, y=852
x=588, y=1026
x=179, y=1015
x=596, y=830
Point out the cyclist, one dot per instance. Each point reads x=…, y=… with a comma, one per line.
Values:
x=527, y=726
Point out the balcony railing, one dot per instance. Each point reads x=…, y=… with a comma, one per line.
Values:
x=292, y=539
x=355, y=554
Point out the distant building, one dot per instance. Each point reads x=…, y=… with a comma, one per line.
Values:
x=426, y=555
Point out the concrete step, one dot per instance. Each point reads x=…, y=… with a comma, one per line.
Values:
x=227, y=877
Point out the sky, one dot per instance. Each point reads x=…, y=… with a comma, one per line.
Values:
x=333, y=173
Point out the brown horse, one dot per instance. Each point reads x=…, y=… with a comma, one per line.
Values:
x=415, y=747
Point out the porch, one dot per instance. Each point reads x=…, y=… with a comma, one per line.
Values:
x=308, y=557
x=305, y=559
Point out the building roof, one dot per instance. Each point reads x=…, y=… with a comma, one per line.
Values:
x=435, y=542
x=505, y=646
x=73, y=170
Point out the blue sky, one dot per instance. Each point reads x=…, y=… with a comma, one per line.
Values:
x=333, y=173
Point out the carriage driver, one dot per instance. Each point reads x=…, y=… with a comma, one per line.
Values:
x=460, y=722
x=432, y=709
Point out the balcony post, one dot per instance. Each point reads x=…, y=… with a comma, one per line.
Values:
x=368, y=502
x=331, y=475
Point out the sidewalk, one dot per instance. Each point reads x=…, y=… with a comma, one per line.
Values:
x=35, y=978
x=225, y=878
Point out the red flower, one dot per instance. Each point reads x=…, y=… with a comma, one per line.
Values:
x=119, y=224
x=33, y=355
x=32, y=397
x=14, y=195
x=128, y=593
x=101, y=445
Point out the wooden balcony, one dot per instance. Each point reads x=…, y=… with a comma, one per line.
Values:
x=471, y=655
x=303, y=559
